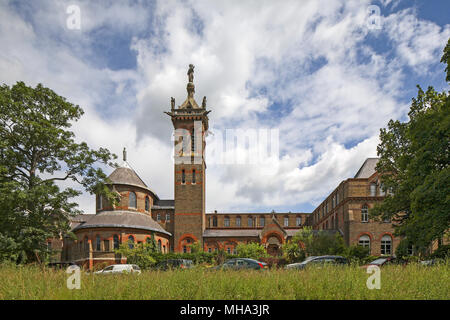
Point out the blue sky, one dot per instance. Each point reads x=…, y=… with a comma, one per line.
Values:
x=314, y=70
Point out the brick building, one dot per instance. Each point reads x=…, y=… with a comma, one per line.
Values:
x=175, y=224
x=346, y=209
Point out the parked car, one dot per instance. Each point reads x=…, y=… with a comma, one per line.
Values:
x=61, y=265
x=120, y=268
x=318, y=261
x=242, y=263
x=384, y=261
x=175, y=264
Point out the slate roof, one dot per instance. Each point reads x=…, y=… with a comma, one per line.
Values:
x=127, y=176
x=367, y=169
x=121, y=219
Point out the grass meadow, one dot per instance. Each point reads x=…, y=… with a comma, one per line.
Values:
x=397, y=282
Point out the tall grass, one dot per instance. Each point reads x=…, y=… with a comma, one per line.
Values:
x=397, y=282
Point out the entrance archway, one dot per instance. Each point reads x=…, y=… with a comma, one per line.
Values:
x=273, y=245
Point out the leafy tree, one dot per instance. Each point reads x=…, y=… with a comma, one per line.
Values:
x=251, y=250
x=446, y=59
x=308, y=243
x=357, y=252
x=140, y=254
x=293, y=252
x=37, y=150
x=414, y=167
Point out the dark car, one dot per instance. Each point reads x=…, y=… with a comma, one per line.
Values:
x=61, y=265
x=318, y=261
x=385, y=261
x=174, y=264
x=242, y=263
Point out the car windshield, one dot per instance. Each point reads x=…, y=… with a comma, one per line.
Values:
x=378, y=261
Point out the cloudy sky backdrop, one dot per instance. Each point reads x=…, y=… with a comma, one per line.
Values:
x=314, y=70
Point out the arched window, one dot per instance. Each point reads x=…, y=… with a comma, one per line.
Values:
x=98, y=243
x=183, y=176
x=193, y=176
x=116, y=241
x=386, y=244
x=364, y=213
x=148, y=240
x=214, y=221
x=238, y=221
x=164, y=249
x=147, y=203
x=159, y=245
x=373, y=189
x=364, y=241
x=131, y=242
x=132, y=200
x=184, y=249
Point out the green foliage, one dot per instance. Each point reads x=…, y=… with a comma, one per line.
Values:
x=141, y=254
x=414, y=167
x=446, y=59
x=293, y=252
x=37, y=150
x=308, y=243
x=443, y=252
x=410, y=282
x=251, y=250
x=357, y=253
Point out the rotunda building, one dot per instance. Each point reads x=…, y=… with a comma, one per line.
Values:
x=129, y=221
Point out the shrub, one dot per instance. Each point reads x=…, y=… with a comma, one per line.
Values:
x=442, y=252
x=251, y=250
x=357, y=253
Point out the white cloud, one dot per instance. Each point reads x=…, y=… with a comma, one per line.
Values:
x=333, y=91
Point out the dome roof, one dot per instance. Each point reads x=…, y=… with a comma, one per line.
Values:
x=127, y=176
x=123, y=175
x=122, y=219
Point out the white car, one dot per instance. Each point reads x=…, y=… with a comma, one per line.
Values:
x=120, y=268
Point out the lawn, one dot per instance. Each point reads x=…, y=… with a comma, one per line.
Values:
x=410, y=282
